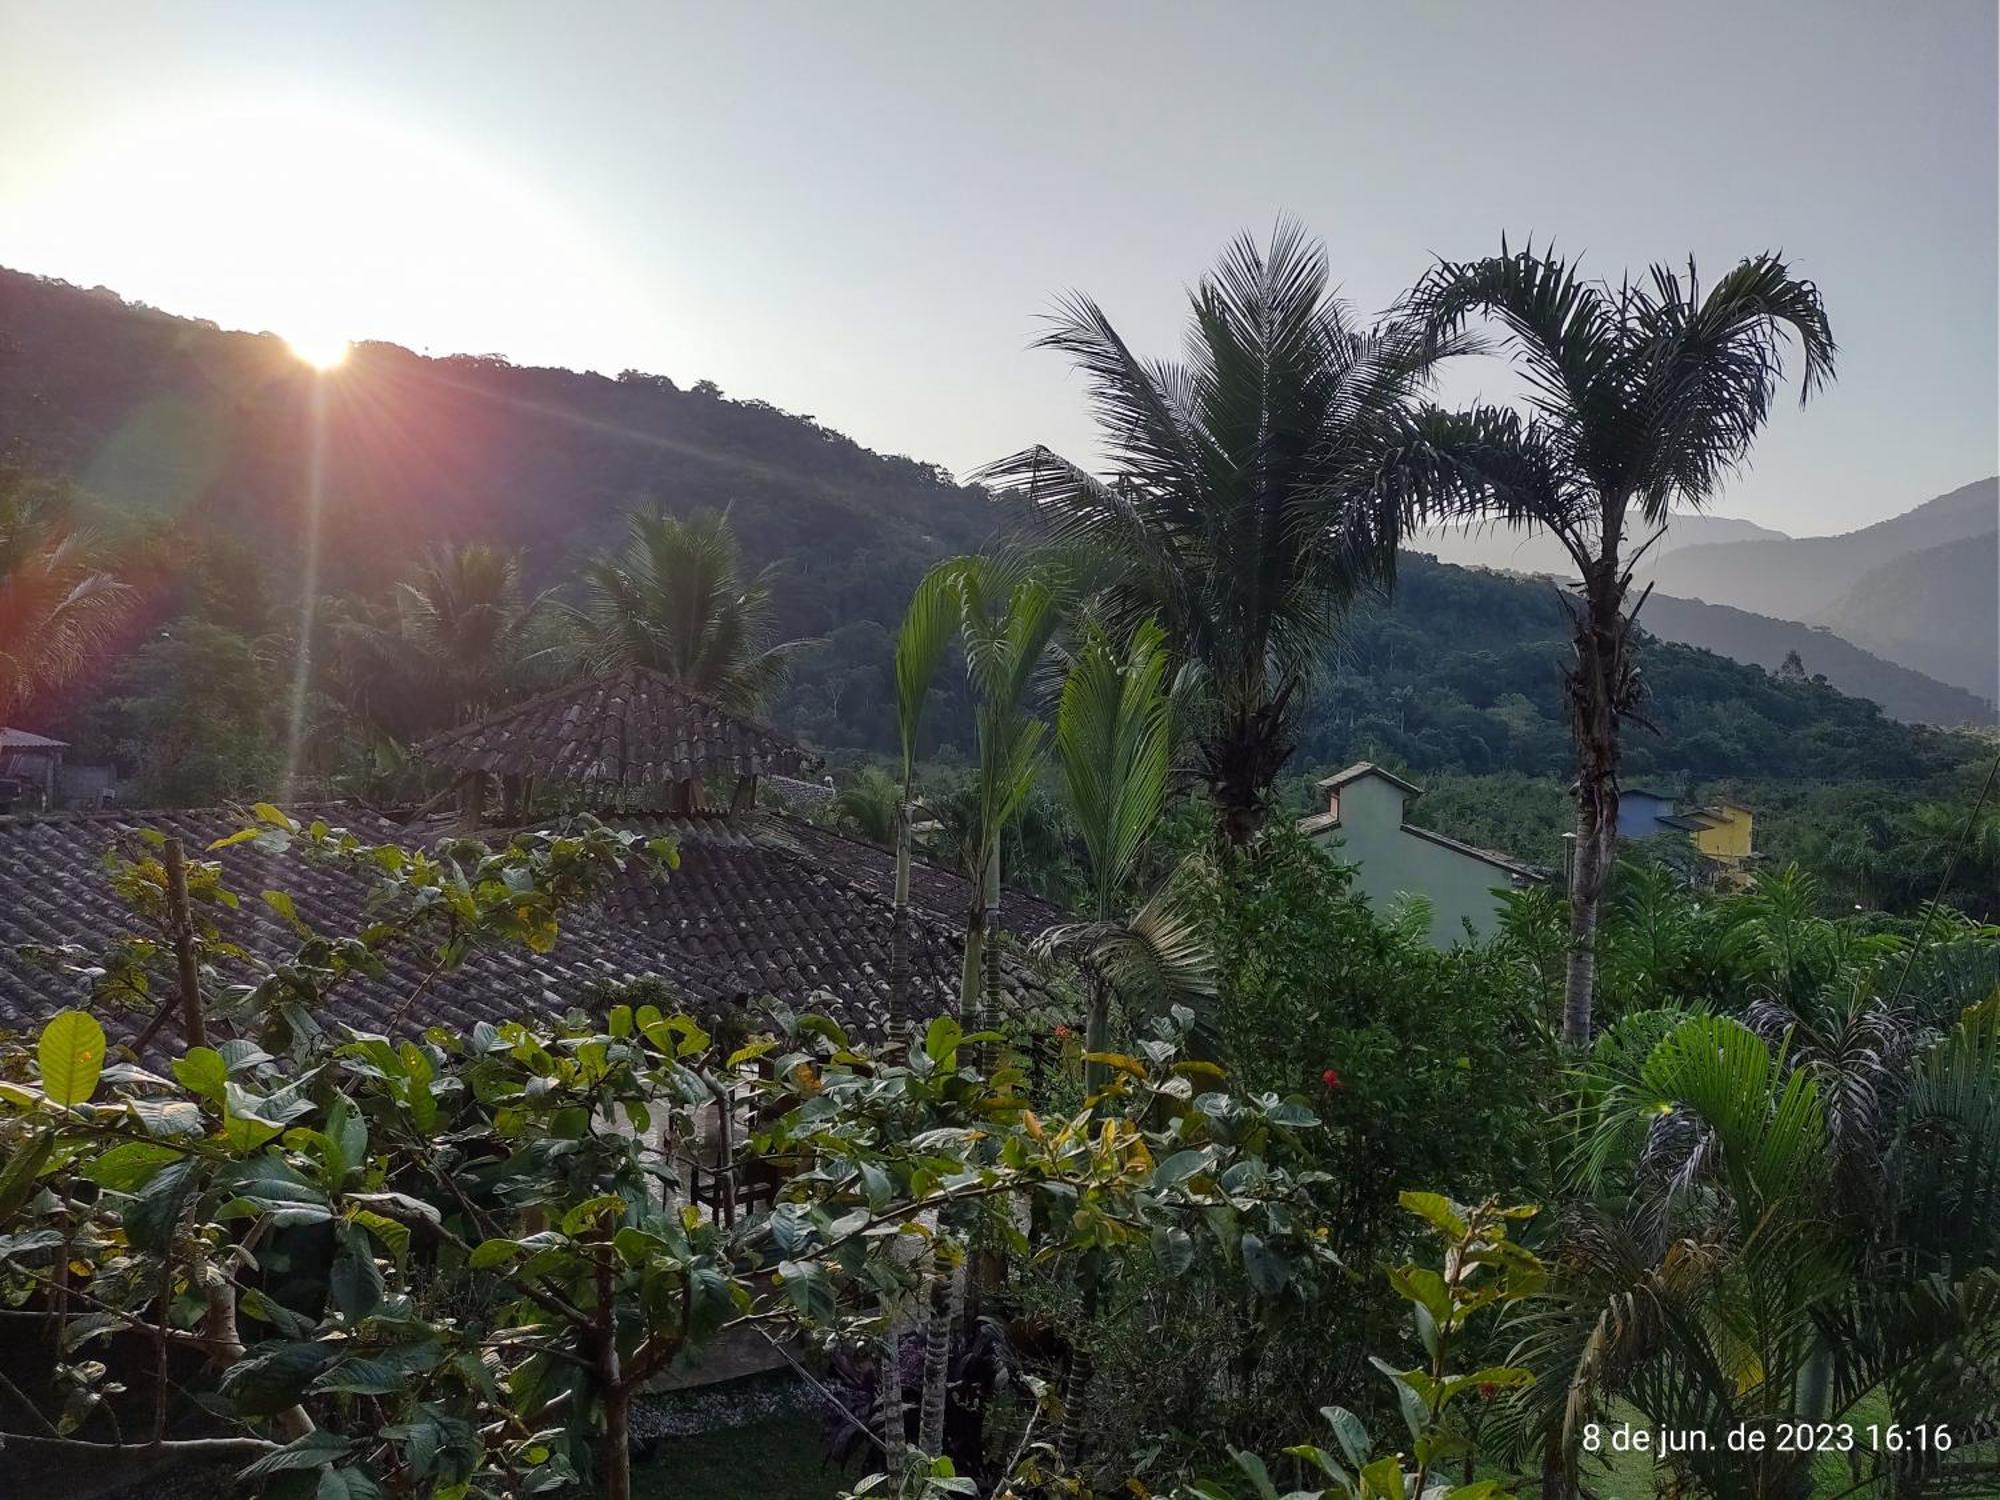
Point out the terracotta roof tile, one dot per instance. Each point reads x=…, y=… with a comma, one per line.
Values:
x=751, y=911
x=632, y=728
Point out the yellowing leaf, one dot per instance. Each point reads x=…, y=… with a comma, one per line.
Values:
x=71, y=1053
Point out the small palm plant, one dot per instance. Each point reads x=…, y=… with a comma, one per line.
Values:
x=1115, y=743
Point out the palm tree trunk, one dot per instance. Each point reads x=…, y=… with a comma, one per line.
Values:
x=1598, y=684
x=1072, y=1436
x=947, y=1300
x=1586, y=894
x=899, y=932
x=989, y=1010
x=889, y=1393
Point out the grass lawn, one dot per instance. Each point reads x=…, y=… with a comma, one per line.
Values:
x=777, y=1459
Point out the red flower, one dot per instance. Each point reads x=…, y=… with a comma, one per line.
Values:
x=1488, y=1390
x=1331, y=1078
x=1062, y=1032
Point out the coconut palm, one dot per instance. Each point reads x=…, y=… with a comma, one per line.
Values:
x=674, y=599
x=1245, y=510
x=59, y=608
x=1642, y=398
x=459, y=638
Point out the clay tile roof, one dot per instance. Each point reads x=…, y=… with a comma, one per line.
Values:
x=750, y=912
x=632, y=728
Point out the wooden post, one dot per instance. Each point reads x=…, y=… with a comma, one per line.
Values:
x=180, y=921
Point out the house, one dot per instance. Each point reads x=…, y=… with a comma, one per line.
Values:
x=1720, y=831
x=1727, y=832
x=30, y=770
x=760, y=904
x=1366, y=825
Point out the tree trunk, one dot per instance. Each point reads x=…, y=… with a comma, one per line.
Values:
x=899, y=931
x=616, y=1453
x=947, y=1299
x=1072, y=1436
x=187, y=963
x=889, y=1394
x=972, y=971
x=1601, y=687
x=1241, y=760
x=990, y=1007
x=1586, y=893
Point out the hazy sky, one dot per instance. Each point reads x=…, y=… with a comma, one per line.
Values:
x=859, y=210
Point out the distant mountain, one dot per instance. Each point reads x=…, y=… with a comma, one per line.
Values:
x=1486, y=546
x=1936, y=609
x=1460, y=672
x=1902, y=692
x=1936, y=616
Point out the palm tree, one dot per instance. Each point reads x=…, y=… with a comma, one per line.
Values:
x=458, y=639
x=673, y=599
x=1114, y=742
x=1246, y=510
x=1642, y=398
x=929, y=626
x=58, y=607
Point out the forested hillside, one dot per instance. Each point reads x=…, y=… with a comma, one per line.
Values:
x=1460, y=673
x=166, y=419
x=163, y=418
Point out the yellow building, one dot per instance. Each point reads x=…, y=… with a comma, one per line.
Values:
x=1726, y=831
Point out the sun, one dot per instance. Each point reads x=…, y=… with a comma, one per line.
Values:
x=321, y=351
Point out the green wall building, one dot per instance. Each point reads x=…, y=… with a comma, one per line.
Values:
x=1365, y=825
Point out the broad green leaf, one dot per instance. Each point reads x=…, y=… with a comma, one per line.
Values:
x=17, y=1178
x=127, y=1168
x=1179, y=1167
x=1173, y=1248
x=355, y=1283
x=202, y=1071
x=1259, y=1476
x=1384, y=1478
x=1438, y=1211
x=490, y=1253
x=312, y=1451
x=941, y=1039
x=1265, y=1267
x=71, y=1054
x=1415, y=1414
x=275, y=1377
x=1349, y=1432
x=156, y=1208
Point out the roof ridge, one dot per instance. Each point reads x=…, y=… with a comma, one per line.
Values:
x=653, y=674
x=110, y=814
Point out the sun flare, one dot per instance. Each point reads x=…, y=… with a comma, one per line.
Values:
x=321, y=351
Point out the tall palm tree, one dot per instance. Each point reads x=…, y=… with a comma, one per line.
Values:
x=674, y=599
x=457, y=639
x=1245, y=510
x=58, y=606
x=1642, y=398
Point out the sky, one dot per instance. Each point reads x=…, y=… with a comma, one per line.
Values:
x=861, y=210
